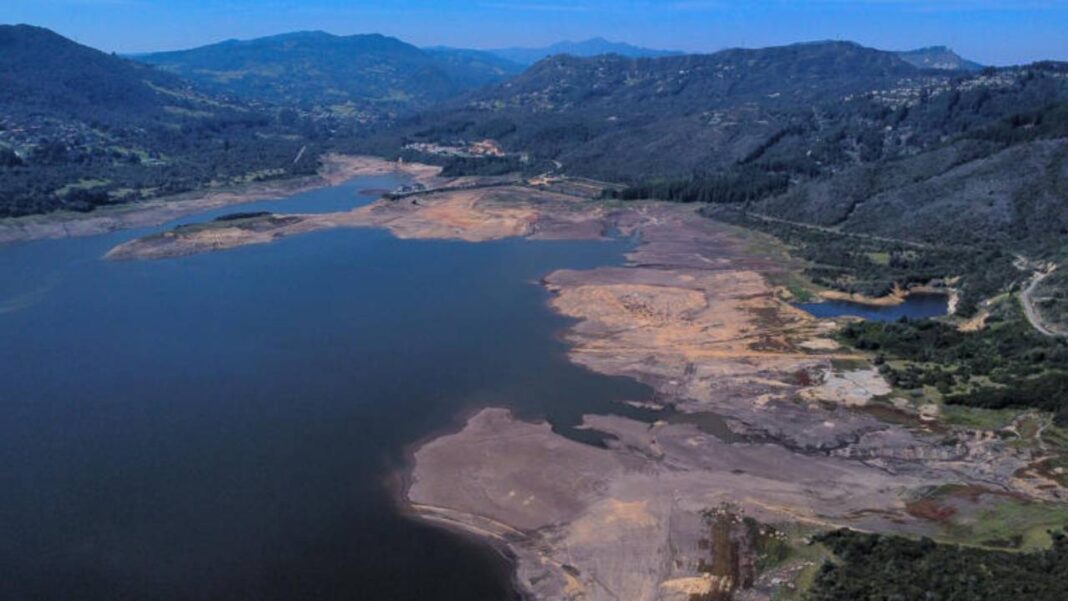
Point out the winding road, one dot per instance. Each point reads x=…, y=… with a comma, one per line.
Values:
x=1028, y=304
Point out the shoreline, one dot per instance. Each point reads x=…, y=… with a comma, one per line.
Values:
x=899, y=296
x=691, y=314
x=398, y=483
x=450, y=212
x=335, y=170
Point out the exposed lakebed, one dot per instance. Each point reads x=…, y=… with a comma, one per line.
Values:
x=228, y=424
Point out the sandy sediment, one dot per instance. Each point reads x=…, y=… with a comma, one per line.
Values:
x=620, y=523
x=335, y=169
x=895, y=297
x=456, y=212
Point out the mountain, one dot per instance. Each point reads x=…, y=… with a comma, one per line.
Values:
x=984, y=210
x=45, y=73
x=851, y=155
x=586, y=48
x=315, y=68
x=938, y=57
x=1003, y=183
x=796, y=112
x=473, y=68
x=628, y=119
x=79, y=128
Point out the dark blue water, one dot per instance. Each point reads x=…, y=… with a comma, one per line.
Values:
x=916, y=306
x=227, y=426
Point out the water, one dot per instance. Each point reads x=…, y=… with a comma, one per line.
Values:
x=230, y=425
x=916, y=306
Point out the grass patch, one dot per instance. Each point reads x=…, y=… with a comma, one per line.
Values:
x=82, y=184
x=978, y=419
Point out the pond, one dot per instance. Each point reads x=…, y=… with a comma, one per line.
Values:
x=915, y=306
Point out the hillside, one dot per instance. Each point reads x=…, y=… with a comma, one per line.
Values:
x=631, y=119
x=851, y=141
x=938, y=57
x=997, y=189
x=800, y=111
x=585, y=48
x=80, y=128
x=45, y=73
x=472, y=69
x=372, y=73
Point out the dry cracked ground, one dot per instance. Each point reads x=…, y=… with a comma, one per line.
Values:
x=810, y=436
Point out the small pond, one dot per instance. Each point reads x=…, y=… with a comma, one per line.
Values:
x=916, y=306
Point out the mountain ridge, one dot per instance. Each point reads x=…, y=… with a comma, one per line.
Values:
x=938, y=57
x=81, y=128
x=585, y=48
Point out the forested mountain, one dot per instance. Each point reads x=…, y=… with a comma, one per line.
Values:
x=799, y=111
x=1005, y=183
x=632, y=119
x=79, y=128
x=585, y=48
x=44, y=73
x=834, y=136
x=938, y=57
x=473, y=68
x=372, y=73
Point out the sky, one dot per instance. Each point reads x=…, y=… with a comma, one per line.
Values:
x=995, y=32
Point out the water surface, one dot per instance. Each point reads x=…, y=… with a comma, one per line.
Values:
x=916, y=306
x=227, y=425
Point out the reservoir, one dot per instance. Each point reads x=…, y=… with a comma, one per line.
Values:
x=915, y=306
x=232, y=425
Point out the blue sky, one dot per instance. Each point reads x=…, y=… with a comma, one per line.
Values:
x=990, y=31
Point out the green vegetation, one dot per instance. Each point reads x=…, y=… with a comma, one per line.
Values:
x=80, y=128
x=736, y=187
x=371, y=76
x=1006, y=364
x=1051, y=299
x=875, y=567
x=875, y=266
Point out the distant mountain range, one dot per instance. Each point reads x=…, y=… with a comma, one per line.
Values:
x=932, y=57
x=319, y=69
x=373, y=76
x=620, y=118
x=80, y=126
x=830, y=133
x=585, y=48
x=806, y=109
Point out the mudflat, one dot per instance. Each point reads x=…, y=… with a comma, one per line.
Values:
x=335, y=169
x=457, y=210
